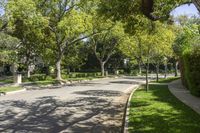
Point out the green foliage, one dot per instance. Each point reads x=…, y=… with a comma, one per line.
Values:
x=164, y=39
x=24, y=19
x=104, y=45
x=187, y=37
x=155, y=45
x=188, y=49
x=129, y=11
x=108, y=40
x=162, y=8
x=28, y=25
x=74, y=24
x=75, y=55
x=8, y=48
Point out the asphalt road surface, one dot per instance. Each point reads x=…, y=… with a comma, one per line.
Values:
x=92, y=107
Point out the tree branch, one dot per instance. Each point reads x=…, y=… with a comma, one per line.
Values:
x=197, y=4
x=95, y=50
x=3, y=26
x=84, y=37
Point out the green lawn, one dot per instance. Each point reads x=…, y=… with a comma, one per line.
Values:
x=45, y=82
x=158, y=111
x=6, y=80
x=10, y=88
x=167, y=80
x=51, y=81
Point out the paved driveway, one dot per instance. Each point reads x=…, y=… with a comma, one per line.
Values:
x=95, y=106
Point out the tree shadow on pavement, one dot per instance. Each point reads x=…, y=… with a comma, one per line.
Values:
x=104, y=93
x=125, y=82
x=36, y=87
x=51, y=115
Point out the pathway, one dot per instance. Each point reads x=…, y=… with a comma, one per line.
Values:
x=184, y=95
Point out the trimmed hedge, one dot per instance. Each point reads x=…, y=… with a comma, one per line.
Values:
x=191, y=61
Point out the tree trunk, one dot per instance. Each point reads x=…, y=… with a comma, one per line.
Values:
x=28, y=71
x=140, y=68
x=102, y=69
x=157, y=72
x=14, y=67
x=47, y=70
x=147, y=75
x=58, y=69
x=176, y=68
x=165, y=70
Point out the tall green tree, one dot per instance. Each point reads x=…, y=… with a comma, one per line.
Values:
x=68, y=24
x=9, y=46
x=28, y=25
x=104, y=44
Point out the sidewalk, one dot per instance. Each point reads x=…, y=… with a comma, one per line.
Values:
x=178, y=90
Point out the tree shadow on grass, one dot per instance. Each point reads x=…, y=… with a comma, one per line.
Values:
x=162, y=113
x=51, y=115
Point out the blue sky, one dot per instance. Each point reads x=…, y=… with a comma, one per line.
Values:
x=185, y=10
x=1, y=11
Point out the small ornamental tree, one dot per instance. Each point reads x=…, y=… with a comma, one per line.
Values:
x=164, y=39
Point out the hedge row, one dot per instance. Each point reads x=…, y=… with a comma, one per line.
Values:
x=191, y=61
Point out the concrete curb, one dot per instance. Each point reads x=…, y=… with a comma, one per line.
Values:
x=128, y=104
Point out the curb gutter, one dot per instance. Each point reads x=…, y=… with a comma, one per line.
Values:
x=128, y=104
